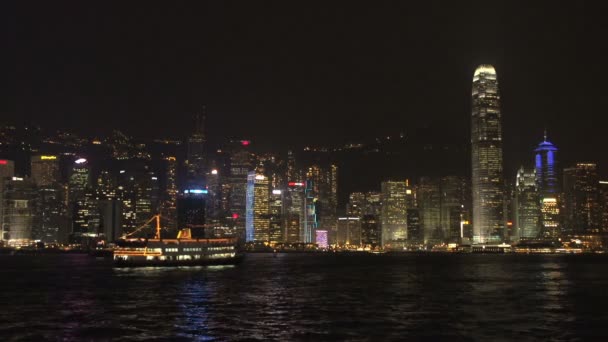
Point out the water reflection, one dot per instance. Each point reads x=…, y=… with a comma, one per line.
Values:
x=310, y=297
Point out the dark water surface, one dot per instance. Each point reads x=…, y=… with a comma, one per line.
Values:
x=309, y=297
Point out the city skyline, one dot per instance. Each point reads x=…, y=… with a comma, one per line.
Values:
x=87, y=79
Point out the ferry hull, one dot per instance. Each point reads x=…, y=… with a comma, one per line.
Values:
x=142, y=262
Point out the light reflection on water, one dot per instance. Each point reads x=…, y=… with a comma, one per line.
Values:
x=309, y=297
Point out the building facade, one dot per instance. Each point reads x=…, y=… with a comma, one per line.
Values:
x=257, y=220
x=393, y=217
x=487, y=164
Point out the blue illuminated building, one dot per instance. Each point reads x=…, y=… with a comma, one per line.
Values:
x=546, y=170
x=546, y=183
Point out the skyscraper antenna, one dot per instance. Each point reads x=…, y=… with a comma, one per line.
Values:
x=545, y=135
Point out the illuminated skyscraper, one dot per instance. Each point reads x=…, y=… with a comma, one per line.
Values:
x=356, y=202
x=429, y=204
x=546, y=170
x=453, y=204
x=45, y=170
x=311, y=210
x=195, y=159
x=295, y=211
x=293, y=173
x=81, y=199
x=393, y=217
x=348, y=232
x=235, y=186
x=49, y=222
x=581, y=200
x=276, y=216
x=139, y=191
x=487, y=169
x=548, y=188
x=214, y=198
x=191, y=211
x=7, y=171
x=527, y=205
x=370, y=231
x=18, y=210
x=257, y=222
x=169, y=204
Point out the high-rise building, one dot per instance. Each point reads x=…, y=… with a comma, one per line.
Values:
x=169, y=203
x=310, y=221
x=214, y=197
x=324, y=183
x=191, y=212
x=527, y=205
x=546, y=168
x=7, y=172
x=18, y=210
x=371, y=235
x=415, y=233
x=582, y=212
x=110, y=210
x=257, y=222
x=604, y=203
x=441, y=203
x=429, y=204
x=276, y=216
x=50, y=222
x=79, y=181
x=348, y=232
x=81, y=201
x=355, y=205
x=548, y=188
x=235, y=187
x=453, y=204
x=487, y=169
x=138, y=189
x=393, y=218
x=195, y=160
x=295, y=211
x=45, y=170
x=373, y=203
x=293, y=173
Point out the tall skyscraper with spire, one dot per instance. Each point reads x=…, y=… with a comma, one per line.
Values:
x=486, y=147
x=546, y=182
x=195, y=159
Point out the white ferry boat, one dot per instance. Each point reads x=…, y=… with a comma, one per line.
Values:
x=182, y=251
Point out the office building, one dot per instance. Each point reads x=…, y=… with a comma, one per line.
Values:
x=393, y=217
x=582, y=211
x=44, y=170
x=195, y=159
x=487, y=168
x=348, y=232
x=257, y=222
x=235, y=187
x=191, y=212
x=548, y=188
x=18, y=211
x=371, y=234
x=527, y=203
x=276, y=216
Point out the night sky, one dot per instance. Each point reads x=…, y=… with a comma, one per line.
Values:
x=309, y=73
